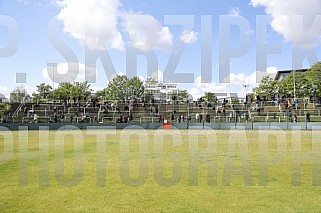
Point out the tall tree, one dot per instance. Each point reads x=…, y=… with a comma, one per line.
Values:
x=123, y=88
x=117, y=88
x=314, y=77
x=82, y=89
x=268, y=87
x=135, y=87
x=209, y=97
x=43, y=91
x=303, y=86
x=74, y=89
x=305, y=83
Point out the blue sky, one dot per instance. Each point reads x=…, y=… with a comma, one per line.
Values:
x=111, y=18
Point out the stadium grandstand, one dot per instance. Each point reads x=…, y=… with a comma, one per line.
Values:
x=162, y=106
x=249, y=109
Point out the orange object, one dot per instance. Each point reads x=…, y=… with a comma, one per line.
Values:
x=167, y=125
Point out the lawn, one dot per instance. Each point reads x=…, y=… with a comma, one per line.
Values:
x=157, y=171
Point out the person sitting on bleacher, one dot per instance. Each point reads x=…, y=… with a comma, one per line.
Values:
x=125, y=119
x=62, y=118
x=230, y=117
x=31, y=112
x=83, y=119
x=4, y=119
x=295, y=118
x=88, y=104
x=35, y=119
x=55, y=118
x=25, y=110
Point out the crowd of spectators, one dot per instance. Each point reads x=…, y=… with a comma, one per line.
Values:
x=89, y=110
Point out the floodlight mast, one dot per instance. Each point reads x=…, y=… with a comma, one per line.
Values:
x=293, y=73
x=294, y=90
x=53, y=82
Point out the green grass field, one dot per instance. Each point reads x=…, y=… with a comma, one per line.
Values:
x=153, y=195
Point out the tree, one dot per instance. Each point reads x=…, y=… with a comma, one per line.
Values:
x=306, y=84
x=18, y=94
x=303, y=86
x=75, y=89
x=314, y=77
x=315, y=72
x=123, y=88
x=43, y=91
x=209, y=97
x=82, y=89
x=135, y=88
x=63, y=90
x=116, y=89
x=268, y=87
x=101, y=94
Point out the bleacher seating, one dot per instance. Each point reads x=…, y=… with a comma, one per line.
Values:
x=267, y=111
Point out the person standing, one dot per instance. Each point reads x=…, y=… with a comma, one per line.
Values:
x=35, y=119
x=197, y=116
x=307, y=117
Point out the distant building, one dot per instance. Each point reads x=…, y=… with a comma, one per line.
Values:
x=161, y=91
x=280, y=75
x=3, y=98
x=18, y=98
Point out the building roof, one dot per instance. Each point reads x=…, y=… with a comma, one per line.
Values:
x=2, y=96
x=282, y=72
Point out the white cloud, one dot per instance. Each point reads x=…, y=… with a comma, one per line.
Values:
x=25, y=2
x=62, y=68
x=234, y=11
x=96, y=23
x=93, y=22
x=238, y=81
x=189, y=36
x=282, y=13
x=145, y=32
x=165, y=39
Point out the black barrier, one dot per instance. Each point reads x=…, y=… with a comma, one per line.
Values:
x=153, y=126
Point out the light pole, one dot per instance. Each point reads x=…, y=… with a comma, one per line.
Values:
x=293, y=71
x=245, y=86
x=53, y=82
x=203, y=116
x=294, y=90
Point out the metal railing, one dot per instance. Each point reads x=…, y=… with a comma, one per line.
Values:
x=308, y=111
x=15, y=114
x=149, y=118
x=113, y=119
x=268, y=119
x=81, y=119
x=47, y=118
